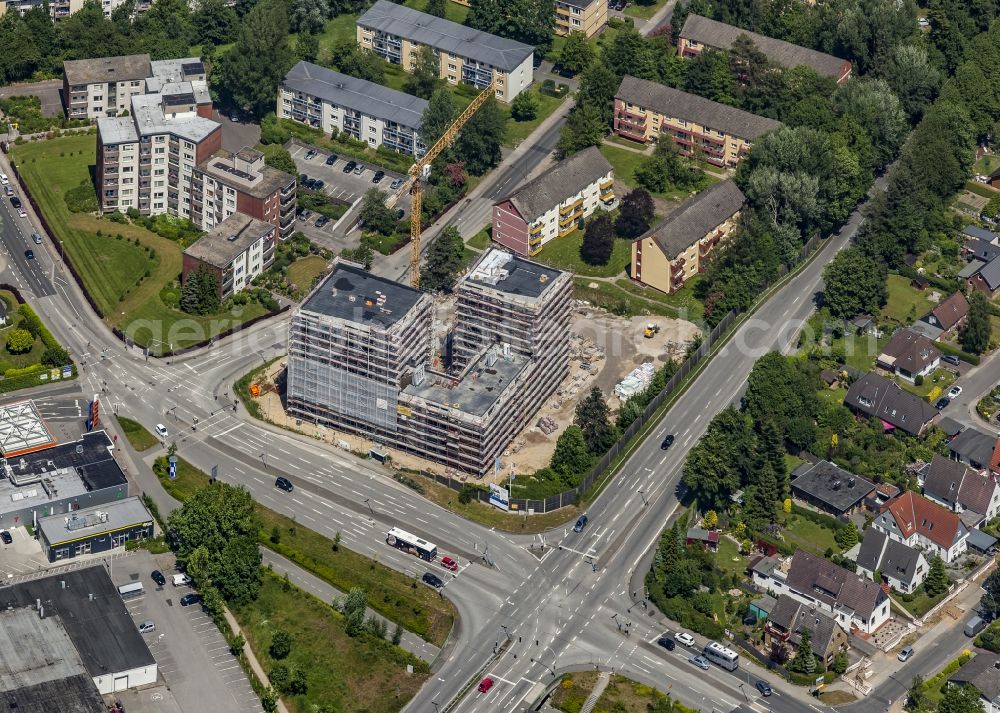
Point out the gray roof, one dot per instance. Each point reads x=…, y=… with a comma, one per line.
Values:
x=107, y=69
x=351, y=294
x=837, y=488
x=983, y=673
x=147, y=110
x=990, y=272
x=979, y=540
x=696, y=217
x=85, y=523
x=974, y=231
x=74, y=694
x=949, y=426
x=827, y=582
x=559, y=182
x=883, y=398
x=894, y=559
x=973, y=446
x=356, y=94
x=690, y=107
x=795, y=617
x=445, y=35
x=228, y=240
x=480, y=387
x=116, y=130
x=981, y=249
x=953, y=482
x=722, y=36
x=260, y=181
x=909, y=350
x=510, y=274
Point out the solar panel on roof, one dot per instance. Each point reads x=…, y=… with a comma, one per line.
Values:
x=178, y=99
x=234, y=171
x=193, y=68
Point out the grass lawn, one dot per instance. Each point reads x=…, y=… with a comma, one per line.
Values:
x=390, y=593
x=905, y=302
x=137, y=435
x=981, y=190
x=305, y=270
x=342, y=28
x=921, y=603
x=518, y=131
x=625, y=163
x=624, y=695
x=987, y=165
x=644, y=10
x=940, y=380
x=350, y=674
x=683, y=302
x=14, y=319
x=482, y=239
x=452, y=10
x=614, y=299
x=571, y=694
x=564, y=253
x=808, y=535
x=728, y=559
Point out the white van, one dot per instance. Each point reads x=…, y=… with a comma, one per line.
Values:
x=181, y=580
x=131, y=591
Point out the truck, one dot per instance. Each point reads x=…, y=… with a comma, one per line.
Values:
x=181, y=580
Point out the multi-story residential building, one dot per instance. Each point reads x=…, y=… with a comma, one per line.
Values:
x=676, y=249
x=700, y=33
x=335, y=102
x=360, y=359
x=586, y=16
x=396, y=33
x=555, y=203
x=235, y=251
x=228, y=183
x=921, y=523
x=93, y=88
x=722, y=134
x=58, y=9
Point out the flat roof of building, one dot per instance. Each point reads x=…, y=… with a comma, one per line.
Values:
x=511, y=274
x=75, y=694
x=442, y=34
x=147, y=109
x=351, y=294
x=229, y=239
x=80, y=524
x=107, y=69
x=22, y=429
x=184, y=69
x=262, y=183
x=357, y=94
x=480, y=387
x=116, y=130
x=100, y=628
x=35, y=649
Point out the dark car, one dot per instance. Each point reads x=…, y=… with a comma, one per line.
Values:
x=283, y=484
x=942, y=402
x=321, y=221
x=951, y=359
x=379, y=175
x=189, y=599
x=400, y=213
x=432, y=579
x=318, y=184
x=331, y=159
x=158, y=577
x=764, y=687
x=15, y=201
x=30, y=254
x=581, y=523
x=666, y=642
x=303, y=178
x=667, y=442
x=349, y=166
x=5, y=536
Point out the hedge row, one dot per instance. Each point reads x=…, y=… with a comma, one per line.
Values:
x=819, y=518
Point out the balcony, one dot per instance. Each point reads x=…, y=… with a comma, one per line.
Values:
x=607, y=195
x=563, y=210
x=536, y=230
x=606, y=185
x=534, y=251
x=535, y=240
x=570, y=219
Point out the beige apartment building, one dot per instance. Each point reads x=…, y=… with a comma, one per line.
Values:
x=396, y=33
x=675, y=250
x=586, y=16
x=646, y=111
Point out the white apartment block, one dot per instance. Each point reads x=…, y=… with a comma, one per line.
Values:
x=236, y=251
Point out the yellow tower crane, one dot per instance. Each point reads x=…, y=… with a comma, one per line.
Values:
x=421, y=168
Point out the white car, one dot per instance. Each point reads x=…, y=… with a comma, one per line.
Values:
x=955, y=391
x=22, y=212
x=684, y=638
x=3, y=179
x=161, y=430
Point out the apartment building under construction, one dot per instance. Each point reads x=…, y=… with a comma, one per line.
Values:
x=362, y=359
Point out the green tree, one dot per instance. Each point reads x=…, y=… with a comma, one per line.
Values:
x=717, y=465
x=479, y=143
x=667, y=169
x=872, y=103
x=909, y=73
x=279, y=676
x=55, y=355
x=281, y=645
x=916, y=697
x=708, y=75
x=277, y=156
x=598, y=240
x=598, y=85
x=214, y=534
x=436, y=7
x=19, y=341
x=839, y=663
x=375, y=215
x=261, y=57
x=577, y=53
x=584, y=127
x=362, y=255
x=937, y=581
x=760, y=498
x=805, y=660
x=353, y=607
x=631, y=53
x=525, y=106
x=854, y=283
x=214, y=22
x=974, y=336
x=440, y=113
x=780, y=389
x=350, y=59
x=425, y=77
x=571, y=457
x=527, y=21
x=990, y=602
x=961, y=699
x=307, y=47
x=200, y=292
x=634, y=214
x=445, y=258
x=307, y=16
x=847, y=536
x=593, y=417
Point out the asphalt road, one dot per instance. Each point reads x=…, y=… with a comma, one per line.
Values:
x=15, y=235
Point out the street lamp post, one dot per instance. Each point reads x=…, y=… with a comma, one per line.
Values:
x=368, y=502
x=642, y=495
x=263, y=460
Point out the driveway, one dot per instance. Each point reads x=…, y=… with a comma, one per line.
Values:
x=48, y=93
x=236, y=135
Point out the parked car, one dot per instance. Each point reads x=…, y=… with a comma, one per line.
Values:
x=181, y=580
x=311, y=153
x=905, y=654
x=666, y=642
x=942, y=402
x=303, y=178
x=581, y=523
x=5, y=536
x=21, y=212
x=161, y=430
x=349, y=166
x=37, y=238
x=485, y=685
x=359, y=169
x=147, y=627
x=396, y=184
x=15, y=201
x=189, y=599
x=951, y=359
x=331, y=159
x=379, y=175
x=433, y=580
x=955, y=391
x=304, y=214
x=321, y=221
x=764, y=687
x=400, y=213
x=8, y=190
x=234, y=117
x=157, y=576
x=29, y=254
x=667, y=442
x=318, y=184
x=3, y=179
x=682, y=637
x=449, y=563
x=699, y=661
x=283, y=484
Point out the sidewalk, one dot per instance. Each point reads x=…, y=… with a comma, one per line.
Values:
x=252, y=660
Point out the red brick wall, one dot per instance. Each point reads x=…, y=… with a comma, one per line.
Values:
x=205, y=110
x=211, y=144
x=509, y=229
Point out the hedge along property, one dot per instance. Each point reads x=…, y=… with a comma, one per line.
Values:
x=30, y=354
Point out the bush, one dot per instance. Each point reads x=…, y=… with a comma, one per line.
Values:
x=81, y=199
x=19, y=341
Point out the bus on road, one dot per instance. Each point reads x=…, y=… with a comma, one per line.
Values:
x=721, y=656
x=403, y=540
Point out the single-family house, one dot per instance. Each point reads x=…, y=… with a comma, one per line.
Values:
x=973, y=447
x=903, y=568
x=918, y=522
x=909, y=355
x=986, y=279
x=994, y=179
x=962, y=489
x=982, y=672
x=789, y=618
x=709, y=539
x=876, y=396
x=974, y=231
x=948, y=315
x=830, y=488
x=853, y=601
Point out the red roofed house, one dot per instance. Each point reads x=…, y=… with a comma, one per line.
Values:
x=918, y=522
x=949, y=315
x=995, y=459
x=707, y=538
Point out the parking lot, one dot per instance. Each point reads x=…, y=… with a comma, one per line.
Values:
x=193, y=657
x=22, y=556
x=345, y=187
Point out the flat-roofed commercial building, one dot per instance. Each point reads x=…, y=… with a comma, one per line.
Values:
x=100, y=529
x=335, y=102
x=553, y=204
x=675, y=250
x=396, y=33
x=700, y=32
x=646, y=111
x=235, y=252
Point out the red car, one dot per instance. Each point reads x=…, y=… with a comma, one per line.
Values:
x=485, y=685
x=449, y=563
